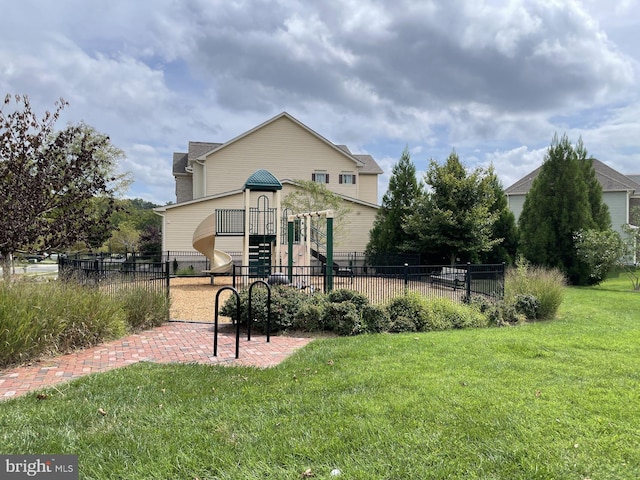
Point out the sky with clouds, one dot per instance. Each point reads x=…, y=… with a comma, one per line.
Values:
x=494, y=80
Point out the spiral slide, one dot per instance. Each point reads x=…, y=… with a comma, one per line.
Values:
x=204, y=241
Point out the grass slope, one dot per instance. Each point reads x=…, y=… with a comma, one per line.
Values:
x=551, y=400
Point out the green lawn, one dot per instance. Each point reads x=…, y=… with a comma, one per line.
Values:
x=551, y=400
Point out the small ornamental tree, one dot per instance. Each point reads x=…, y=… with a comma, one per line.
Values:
x=600, y=250
x=57, y=187
x=312, y=197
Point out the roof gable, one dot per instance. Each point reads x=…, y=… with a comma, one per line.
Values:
x=341, y=149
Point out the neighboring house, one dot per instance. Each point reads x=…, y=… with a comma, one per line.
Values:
x=619, y=192
x=212, y=176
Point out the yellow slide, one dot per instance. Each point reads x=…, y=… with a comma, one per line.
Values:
x=204, y=241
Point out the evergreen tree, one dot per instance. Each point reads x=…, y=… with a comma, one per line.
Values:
x=454, y=221
x=387, y=236
x=504, y=226
x=564, y=199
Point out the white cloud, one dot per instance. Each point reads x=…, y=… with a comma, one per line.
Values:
x=495, y=80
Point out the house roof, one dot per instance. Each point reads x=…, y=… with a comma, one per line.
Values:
x=636, y=179
x=263, y=181
x=611, y=181
x=180, y=162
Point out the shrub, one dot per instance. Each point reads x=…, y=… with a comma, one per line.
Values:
x=309, y=317
x=185, y=271
x=144, y=308
x=401, y=324
x=285, y=303
x=375, y=319
x=445, y=313
x=344, y=295
x=527, y=305
x=342, y=318
x=408, y=310
x=547, y=285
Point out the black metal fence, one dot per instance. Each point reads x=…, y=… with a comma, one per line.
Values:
x=114, y=275
x=382, y=283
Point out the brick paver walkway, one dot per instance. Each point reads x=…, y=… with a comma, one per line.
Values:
x=179, y=342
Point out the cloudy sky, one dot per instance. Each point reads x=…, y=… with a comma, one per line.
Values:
x=493, y=79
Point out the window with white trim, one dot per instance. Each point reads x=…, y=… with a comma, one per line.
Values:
x=320, y=177
x=347, y=179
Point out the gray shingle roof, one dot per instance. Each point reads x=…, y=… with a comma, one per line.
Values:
x=370, y=165
x=610, y=179
x=200, y=148
x=180, y=161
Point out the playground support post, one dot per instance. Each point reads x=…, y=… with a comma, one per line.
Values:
x=328, y=214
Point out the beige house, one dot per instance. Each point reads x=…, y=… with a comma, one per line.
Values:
x=213, y=177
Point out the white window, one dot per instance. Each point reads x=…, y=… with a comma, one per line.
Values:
x=347, y=178
x=320, y=177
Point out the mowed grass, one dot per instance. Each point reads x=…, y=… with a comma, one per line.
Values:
x=550, y=400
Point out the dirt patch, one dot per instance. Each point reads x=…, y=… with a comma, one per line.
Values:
x=194, y=298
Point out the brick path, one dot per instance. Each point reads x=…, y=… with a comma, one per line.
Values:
x=175, y=342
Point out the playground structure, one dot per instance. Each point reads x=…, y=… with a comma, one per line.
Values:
x=264, y=232
x=204, y=241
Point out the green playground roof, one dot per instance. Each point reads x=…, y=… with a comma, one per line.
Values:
x=263, y=181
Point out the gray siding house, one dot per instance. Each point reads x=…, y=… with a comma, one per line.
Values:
x=619, y=192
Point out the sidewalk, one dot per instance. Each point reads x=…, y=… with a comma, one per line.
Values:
x=175, y=342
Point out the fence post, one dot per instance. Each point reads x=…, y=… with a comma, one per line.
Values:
x=167, y=283
x=406, y=278
x=96, y=271
x=233, y=275
x=468, y=281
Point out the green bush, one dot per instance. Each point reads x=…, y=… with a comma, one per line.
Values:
x=185, y=271
x=546, y=285
x=344, y=295
x=497, y=312
x=285, y=303
x=407, y=310
x=375, y=319
x=527, y=305
x=343, y=318
x=445, y=313
x=401, y=324
x=309, y=317
x=144, y=309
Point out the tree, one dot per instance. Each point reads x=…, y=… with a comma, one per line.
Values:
x=150, y=241
x=57, y=188
x=454, y=221
x=601, y=250
x=504, y=226
x=564, y=199
x=312, y=197
x=387, y=235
